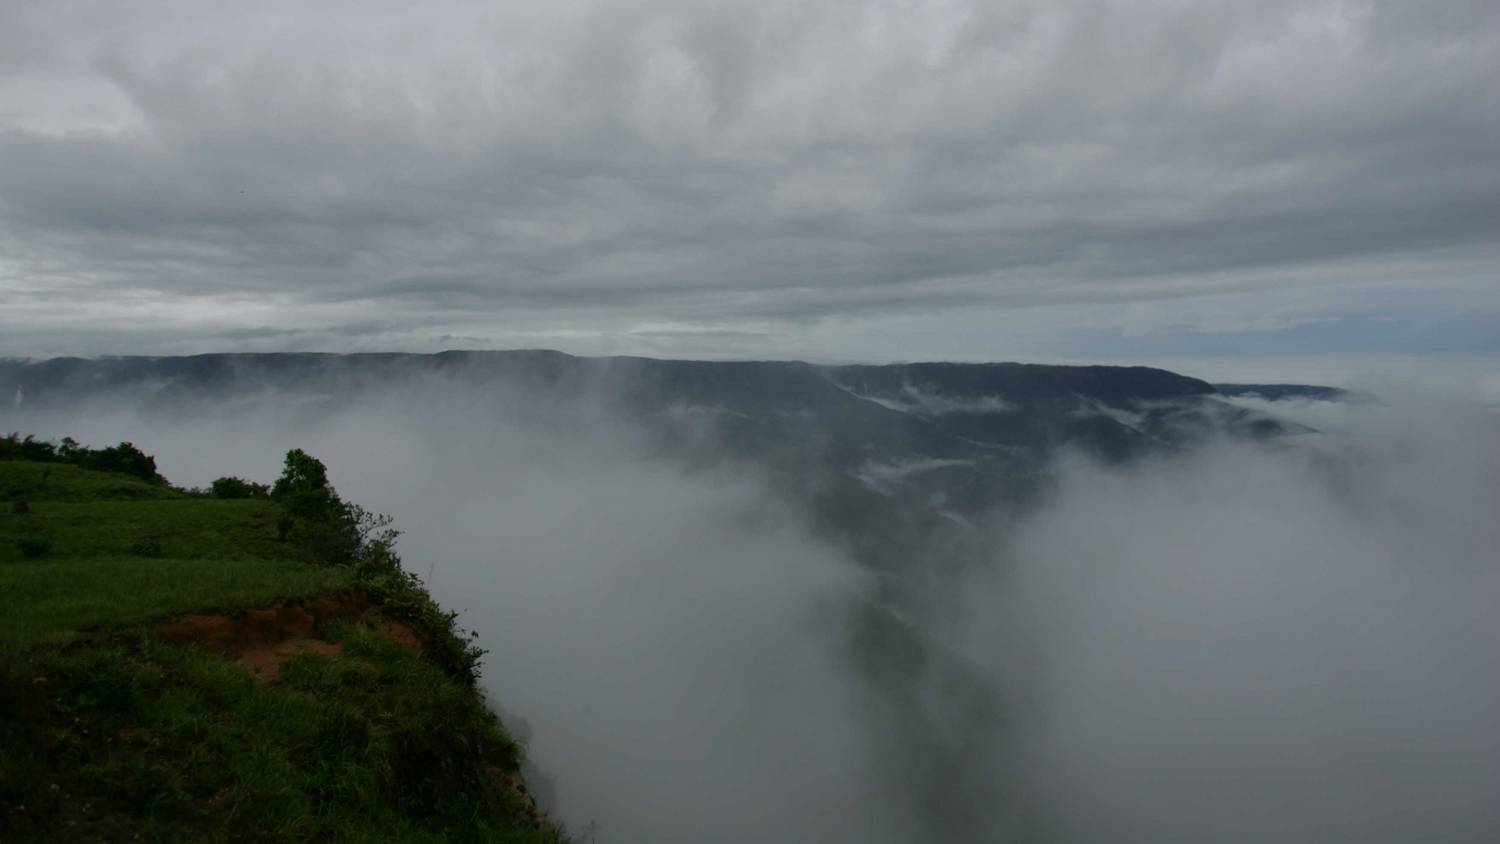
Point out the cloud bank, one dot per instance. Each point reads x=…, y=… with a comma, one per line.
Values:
x=1250, y=644
x=1279, y=642
x=658, y=176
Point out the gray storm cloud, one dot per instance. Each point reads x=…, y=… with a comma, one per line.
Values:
x=704, y=178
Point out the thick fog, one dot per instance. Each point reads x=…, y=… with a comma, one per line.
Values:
x=1291, y=641
x=669, y=644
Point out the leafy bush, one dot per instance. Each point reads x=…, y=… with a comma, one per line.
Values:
x=312, y=514
x=302, y=475
x=334, y=532
x=13, y=447
x=232, y=487
x=124, y=458
x=449, y=647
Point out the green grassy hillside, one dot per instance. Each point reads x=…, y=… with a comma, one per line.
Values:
x=183, y=668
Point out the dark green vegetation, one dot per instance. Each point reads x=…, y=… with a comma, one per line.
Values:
x=110, y=729
x=231, y=487
x=55, y=601
x=124, y=459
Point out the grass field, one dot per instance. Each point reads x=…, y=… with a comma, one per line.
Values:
x=110, y=732
x=22, y=480
x=61, y=600
x=121, y=552
x=198, y=527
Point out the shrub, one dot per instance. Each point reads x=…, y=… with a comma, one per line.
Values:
x=447, y=645
x=333, y=532
x=314, y=517
x=124, y=458
x=301, y=475
x=13, y=447
x=232, y=487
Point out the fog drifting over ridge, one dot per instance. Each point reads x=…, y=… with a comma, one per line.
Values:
x=1285, y=641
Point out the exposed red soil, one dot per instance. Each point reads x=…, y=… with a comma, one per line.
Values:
x=265, y=663
x=264, y=640
x=400, y=633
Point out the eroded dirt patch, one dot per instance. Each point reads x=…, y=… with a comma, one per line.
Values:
x=400, y=633
x=265, y=663
x=264, y=640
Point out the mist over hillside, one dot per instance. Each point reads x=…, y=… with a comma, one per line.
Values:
x=751, y=601
x=885, y=459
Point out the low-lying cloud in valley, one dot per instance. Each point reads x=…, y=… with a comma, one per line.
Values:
x=1281, y=641
x=1286, y=643
x=678, y=339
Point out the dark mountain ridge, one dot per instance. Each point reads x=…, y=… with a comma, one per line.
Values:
x=882, y=457
x=1033, y=380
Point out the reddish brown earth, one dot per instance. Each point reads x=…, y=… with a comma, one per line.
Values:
x=265, y=663
x=400, y=633
x=264, y=640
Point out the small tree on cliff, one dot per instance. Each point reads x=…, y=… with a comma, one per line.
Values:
x=312, y=514
x=332, y=531
x=302, y=475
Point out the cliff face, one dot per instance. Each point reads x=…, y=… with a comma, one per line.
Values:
x=171, y=669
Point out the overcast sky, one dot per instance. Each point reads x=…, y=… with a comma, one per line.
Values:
x=823, y=179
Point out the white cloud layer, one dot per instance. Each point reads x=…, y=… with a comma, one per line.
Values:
x=765, y=178
x=1288, y=641
x=1251, y=644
